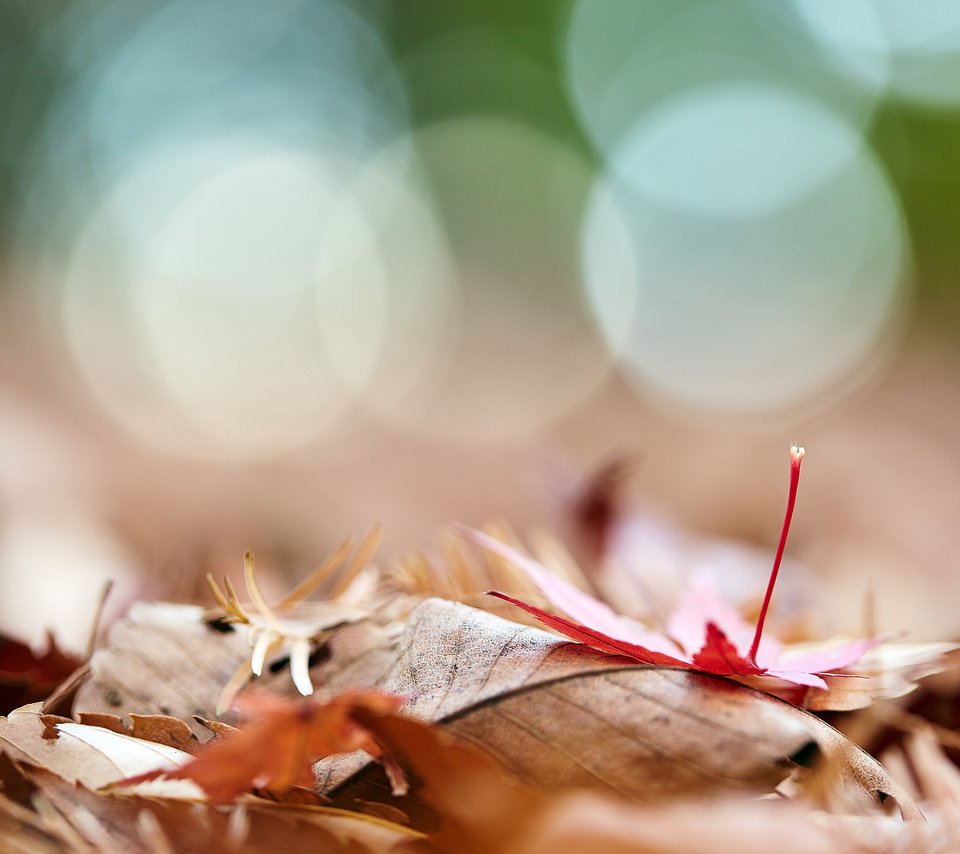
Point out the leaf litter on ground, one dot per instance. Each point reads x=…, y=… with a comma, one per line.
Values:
x=508, y=737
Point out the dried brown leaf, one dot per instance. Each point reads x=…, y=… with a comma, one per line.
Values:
x=162, y=659
x=164, y=729
x=101, y=719
x=217, y=728
x=891, y=670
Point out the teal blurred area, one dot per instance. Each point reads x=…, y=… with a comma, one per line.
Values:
x=269, y=271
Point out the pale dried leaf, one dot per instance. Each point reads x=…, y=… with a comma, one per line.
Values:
x=162, y=659
x=91, y=755
x=129, y=755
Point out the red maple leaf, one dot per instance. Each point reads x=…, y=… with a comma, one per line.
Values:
x=704, y=633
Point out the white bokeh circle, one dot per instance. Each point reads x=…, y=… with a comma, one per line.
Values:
x=912, y=49
x=624, y=59
x=745, y=314
x=236, y=299
x=740, y=149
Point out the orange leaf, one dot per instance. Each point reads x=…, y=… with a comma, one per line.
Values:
x=276, y=751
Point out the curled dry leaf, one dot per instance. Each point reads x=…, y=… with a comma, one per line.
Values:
x=162, y=659
x=186, y=662
x=888, y=671
x=160, y=729
x=277, y=749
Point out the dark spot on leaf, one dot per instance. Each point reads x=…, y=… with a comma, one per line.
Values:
x=806, y=756
x=164, y=710
x=113, y=697
x=222, y=625
x=318, y=656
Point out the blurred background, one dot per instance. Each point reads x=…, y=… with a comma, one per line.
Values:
x=272, y=271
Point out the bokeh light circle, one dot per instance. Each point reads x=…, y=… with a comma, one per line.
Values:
x=911, y=48
x=397, y=274
x=141, y=77
x=624, y=59
x=189, y=175
x=53, y=569
x=245, y=307
x=516, y=347
x=743, y=313
x=194, y=324
x=741, y=149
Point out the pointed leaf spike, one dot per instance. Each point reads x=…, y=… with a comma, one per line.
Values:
x=315, y=578
x=236, y=682
x=250, y=574
x=261, y=648
x=368, y=545
x=796, y=457
x=233, y=606
x=300, y=666
x=232, y=597
x=221, y=600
